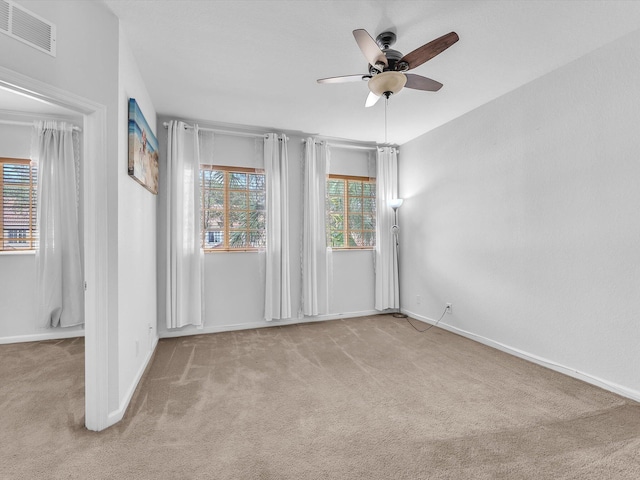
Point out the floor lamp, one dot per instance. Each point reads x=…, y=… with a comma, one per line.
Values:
x=395, y=203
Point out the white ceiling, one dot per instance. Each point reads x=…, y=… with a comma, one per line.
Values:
x=255, y=62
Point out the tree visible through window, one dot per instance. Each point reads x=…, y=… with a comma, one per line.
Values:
x=18, y=180
x=233, y=208
x=351, y=211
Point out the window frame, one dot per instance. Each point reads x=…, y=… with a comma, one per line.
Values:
x=32, y=239
x=346, y=223
x=226, y=208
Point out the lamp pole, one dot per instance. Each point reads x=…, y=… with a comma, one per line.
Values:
x=395, y=203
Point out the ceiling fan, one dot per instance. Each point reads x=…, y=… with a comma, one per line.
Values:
x=387, y=67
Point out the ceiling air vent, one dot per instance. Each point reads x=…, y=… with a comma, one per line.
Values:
x=23, y=25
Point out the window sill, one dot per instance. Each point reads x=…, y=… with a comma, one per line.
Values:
x=248, y=250
x=17, y=252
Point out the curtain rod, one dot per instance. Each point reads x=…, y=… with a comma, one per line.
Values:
x=346, y=145
x=224, y=132
x=29, y=124
x=354, y=147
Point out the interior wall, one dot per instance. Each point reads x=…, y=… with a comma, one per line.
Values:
x=15, y=140
x=234, y=281
x=86, y=65
x=523, y=215
x=17, y=314
x=137, y=292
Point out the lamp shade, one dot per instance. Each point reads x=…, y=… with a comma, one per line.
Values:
x=395, y=203
x=387, y=82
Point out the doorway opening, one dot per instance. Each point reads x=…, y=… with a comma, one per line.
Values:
x=95, y=227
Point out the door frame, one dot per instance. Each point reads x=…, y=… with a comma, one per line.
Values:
x=96, y=229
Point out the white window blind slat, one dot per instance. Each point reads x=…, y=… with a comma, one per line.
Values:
x=18, y=180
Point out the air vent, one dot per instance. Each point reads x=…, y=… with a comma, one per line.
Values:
x=29, y=28
x=4, y=16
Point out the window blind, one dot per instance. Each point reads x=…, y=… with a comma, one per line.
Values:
x=352, y=211
x=18, y=179
x=233, y=208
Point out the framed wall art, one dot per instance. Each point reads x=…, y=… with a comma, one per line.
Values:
x=143, y=150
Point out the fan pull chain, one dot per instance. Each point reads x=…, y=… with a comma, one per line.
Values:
x=386, y=102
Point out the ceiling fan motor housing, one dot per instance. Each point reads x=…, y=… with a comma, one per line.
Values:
x=384, y=41
x=388, y=80
x=395, y=65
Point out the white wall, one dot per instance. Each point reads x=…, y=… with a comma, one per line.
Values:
x=234, y=281
x=137, y=292
x=15, y=140
x=87, y=65
x=17, y=270
x=524, y=215
x=17, y=309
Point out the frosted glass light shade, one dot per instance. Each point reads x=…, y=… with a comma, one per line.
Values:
x=387, y=82
x=395, y=203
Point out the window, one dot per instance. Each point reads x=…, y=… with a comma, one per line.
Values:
x=233, y=208
x=18, y=180
x=352, y=211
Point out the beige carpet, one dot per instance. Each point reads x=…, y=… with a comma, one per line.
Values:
x=364, y=398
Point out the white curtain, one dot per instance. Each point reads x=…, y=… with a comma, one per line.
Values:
x=184, y=255
x=59, y=276
x=316, y=256
x=386, y=268
x=277, y=299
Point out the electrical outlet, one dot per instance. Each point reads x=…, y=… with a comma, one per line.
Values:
x=418, y=299
x=449, y=308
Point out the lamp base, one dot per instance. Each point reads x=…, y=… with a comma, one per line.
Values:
x=399, y=315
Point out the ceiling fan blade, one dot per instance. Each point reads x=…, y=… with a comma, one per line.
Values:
x=370, y=48
x=430, y=50
x=371, y=99
x=345, y=78
x=418, y=82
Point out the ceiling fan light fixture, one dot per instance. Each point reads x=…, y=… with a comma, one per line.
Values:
x=387, y=82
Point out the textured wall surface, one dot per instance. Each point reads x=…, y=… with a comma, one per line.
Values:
x=137, y=289
x=523, y=215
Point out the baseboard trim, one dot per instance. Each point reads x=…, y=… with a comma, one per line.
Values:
x=57, y=334
x=263, y=324
x=117, y=415
x=585, y=377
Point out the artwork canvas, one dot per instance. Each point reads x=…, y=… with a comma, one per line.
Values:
x=143, y=150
